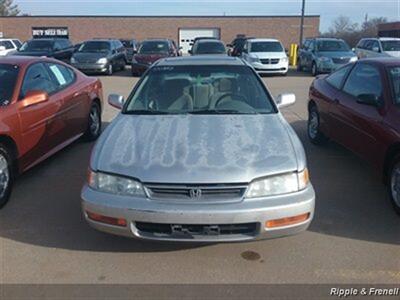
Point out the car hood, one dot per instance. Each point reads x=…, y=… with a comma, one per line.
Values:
x=33, y=53
x=262, y=55
x=336, y=54
x=393, y=53
x=149, y=58
x=197, y=148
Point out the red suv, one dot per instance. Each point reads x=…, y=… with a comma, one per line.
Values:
x=150, y=51
x=358, y=106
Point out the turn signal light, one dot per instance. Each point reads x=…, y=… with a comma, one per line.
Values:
x=107, y=220
x=287, y=221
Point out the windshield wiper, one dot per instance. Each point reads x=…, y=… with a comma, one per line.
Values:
x=146, y=112
x=220, y=112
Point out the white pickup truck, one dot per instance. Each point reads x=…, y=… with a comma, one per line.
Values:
x=8, y=46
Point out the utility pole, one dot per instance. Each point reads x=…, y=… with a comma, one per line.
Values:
x=302, y=22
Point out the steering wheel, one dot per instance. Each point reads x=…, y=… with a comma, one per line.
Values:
x=237, y=97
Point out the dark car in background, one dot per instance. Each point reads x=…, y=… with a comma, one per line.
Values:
x=150, y=51
x=131, y=47
x=58, y=48
x=100, y=56
x=324, y=55
x=358, y=106
x=208, y=46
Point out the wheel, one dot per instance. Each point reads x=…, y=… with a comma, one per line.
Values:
x=313, y=127
x=123, y=65
x=284, y=74
x=299, y=66
x=394, y=184
x=6, y=175
x=110, y=69
x=94, y=123
x=314, y=69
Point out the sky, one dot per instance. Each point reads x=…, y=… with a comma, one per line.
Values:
x=327, y=9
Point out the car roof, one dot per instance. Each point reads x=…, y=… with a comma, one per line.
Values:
x=211, y=60
x=251, y=40
x=156, y=40
x=209, y=41
x=99, y=40
x=47, y=39
x=325, y=39
x=385, y=61
x=21, y=60
x=389, y=39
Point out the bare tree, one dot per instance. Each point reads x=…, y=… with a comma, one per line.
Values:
x=8, y=8
x=343, y=28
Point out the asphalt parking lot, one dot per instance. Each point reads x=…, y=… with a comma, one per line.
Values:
x=354, y=238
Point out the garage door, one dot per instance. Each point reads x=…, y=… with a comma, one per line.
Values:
x=187, y=35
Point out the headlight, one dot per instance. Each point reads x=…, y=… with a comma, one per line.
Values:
x=284, y=59
x=73, y=60
x=353, y=59
x=115, y=184
x=102, y=60
x=279, y=184
x=324, y=59
x=254, y=59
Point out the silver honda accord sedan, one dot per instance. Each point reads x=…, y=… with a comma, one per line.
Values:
x=199, y=152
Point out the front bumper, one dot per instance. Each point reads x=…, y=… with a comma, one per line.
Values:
x=328, y=67
x=279, y=68
x=254, y=211
x=91, y=67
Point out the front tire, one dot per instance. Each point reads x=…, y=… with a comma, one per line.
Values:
x=394, y=184
x=6, y=175
x=313, y=127
x=94, y=123
x=314, y=69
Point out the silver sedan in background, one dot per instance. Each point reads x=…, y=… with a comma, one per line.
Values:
x=199, y=152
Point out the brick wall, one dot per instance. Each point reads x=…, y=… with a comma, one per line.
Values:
x=82, y=28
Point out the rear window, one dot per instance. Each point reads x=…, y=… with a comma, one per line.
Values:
x=266, y=47
x=394, y=74
x=8, y=79
x=209, y=48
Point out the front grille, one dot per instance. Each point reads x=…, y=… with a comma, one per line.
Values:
x=196, y=229
x=341, y=60
x=269, y=61
x=196, y=192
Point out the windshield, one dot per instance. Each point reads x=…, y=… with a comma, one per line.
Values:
x=332, y=46
x=36, y=46
x=153, y=47
x=200, y=90
x=8, y=78
x=95, y=47
x=391, y=45
x=209, y=48
x=266, y=47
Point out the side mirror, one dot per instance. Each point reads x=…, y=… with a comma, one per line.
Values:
x=284, y=100
x=34, y=97
x=2, y=48
x=190, y=51
x=116, y=101
x=376, y=49
x=229, y=45
x=368, y=99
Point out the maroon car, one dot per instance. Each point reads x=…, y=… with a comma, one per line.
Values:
x=358, y=106
x=151, y=51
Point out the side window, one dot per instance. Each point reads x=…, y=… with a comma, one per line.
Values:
x=336, y=78
x=306, y=44
x=368, y=45
x=361, y=44
x=17, y=43
x=246, y=48
x=62, y=76
x=58, y=45
x=311, y=46
x=364, y=79
x=375, y=45
x=7, y=44
x=37, y=78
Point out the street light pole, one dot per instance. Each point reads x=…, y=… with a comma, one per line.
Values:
x=302, y=22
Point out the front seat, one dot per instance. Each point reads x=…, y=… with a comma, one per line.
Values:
x=225, y=86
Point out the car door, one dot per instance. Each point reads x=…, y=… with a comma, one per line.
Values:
x=74, y=111
x=39, y=123
x=309, y=54
x=358, y=110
